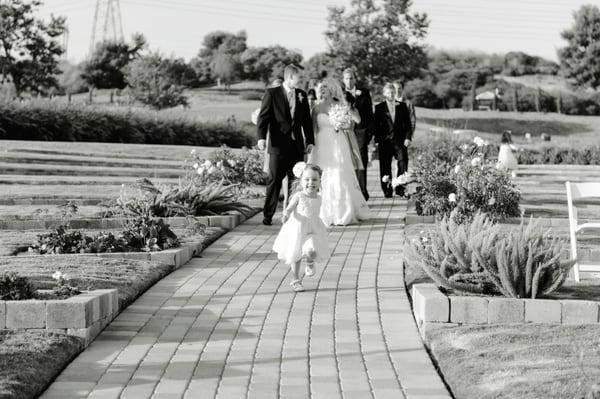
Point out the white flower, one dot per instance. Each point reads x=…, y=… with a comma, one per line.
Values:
x=207, y=164
x=300, y=97
x=385, y=179
x=485, y=142
x=491, y=201
x=231, y=162
x=339, y=116
x=358, y=92
x=66, y=277
x=478, y=141
x=498, y=165
x=298, y=169
x=456, y=168
x=193, y=151
x=528, y=136
x=195, y=166
x=254, y=116
x=396, y=182
x=513, y=174
x=212, y=170
x=57, y=275
x=424, y=239
x=452, y=197
x=200, y=171
x=464, y=147
x=475, y=161
x=219, y=164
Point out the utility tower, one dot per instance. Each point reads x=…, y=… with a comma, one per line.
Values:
x=65, y=42
x=107, y=22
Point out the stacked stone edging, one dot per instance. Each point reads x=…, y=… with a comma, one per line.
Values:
x=430, y=305
x=225, y=221
x=83, y=315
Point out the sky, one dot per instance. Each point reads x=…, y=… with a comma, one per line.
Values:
x=177, y=27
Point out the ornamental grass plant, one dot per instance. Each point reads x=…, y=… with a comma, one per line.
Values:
x=484, y=258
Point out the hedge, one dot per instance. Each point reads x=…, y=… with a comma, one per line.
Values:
x=51, y=122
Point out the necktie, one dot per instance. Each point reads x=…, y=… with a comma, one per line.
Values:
x=292, y=103
x=392, y=108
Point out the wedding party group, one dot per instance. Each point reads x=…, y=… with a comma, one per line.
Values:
x=324, y=144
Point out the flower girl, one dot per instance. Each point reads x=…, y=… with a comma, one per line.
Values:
x=303, y=234
x=505, y=156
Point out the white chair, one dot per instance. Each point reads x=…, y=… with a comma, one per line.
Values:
x=577, y=191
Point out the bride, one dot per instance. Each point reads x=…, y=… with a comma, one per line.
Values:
x=342, y=201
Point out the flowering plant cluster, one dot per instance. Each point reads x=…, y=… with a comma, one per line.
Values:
x=63, y=288
x=243, y=168
x=468, y=184
x=339, y=117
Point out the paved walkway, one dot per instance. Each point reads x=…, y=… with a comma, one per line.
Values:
x=228, y=325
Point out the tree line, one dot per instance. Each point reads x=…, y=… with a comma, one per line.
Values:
x=382, y=40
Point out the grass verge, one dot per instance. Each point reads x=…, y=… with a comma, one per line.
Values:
x=525, y=361
x=29, y=361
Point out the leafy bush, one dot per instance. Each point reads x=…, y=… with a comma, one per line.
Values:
x=459, y=177
x=477, y=257
x=15, y=288
x=63, y=288
x=46, y=121
x=589, y=155
x=243, y=168
x=185, y=199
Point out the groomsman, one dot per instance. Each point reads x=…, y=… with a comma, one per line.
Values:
x=361, y=100
x=393, y=134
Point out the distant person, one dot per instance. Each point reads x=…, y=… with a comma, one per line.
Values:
x=506, y=157
x=303, y=234
x=284, y=114
x=393, y=135
x=360, y=99
x=312, y=98
x=402, y=97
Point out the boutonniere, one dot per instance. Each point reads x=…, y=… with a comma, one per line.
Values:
x=358, y=92
x=300, y=97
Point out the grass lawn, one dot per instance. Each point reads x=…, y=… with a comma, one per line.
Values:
x=524, y=361
x=29, y=361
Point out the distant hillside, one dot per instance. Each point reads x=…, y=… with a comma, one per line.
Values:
x=549, y=83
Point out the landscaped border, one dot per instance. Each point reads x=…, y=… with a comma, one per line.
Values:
x=431, y=306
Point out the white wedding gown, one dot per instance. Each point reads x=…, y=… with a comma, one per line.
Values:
x=342, y=201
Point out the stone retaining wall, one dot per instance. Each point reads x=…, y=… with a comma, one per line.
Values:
x=83, y=315
x=431, y=306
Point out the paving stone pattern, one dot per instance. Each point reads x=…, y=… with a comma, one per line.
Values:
x=228, y=325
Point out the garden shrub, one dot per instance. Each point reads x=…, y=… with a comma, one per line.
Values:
x=460, y=177
x=52, y=122
x=15, y=288
x=478, y=257
x=251, y=95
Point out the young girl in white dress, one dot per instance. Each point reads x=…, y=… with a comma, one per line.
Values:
x=505, y=156
x=303, y=234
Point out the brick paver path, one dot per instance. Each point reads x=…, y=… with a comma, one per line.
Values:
x=228, y=325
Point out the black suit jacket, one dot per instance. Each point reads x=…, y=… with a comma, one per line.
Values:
x=395, y=131
x=275, y=117
x=362, y=102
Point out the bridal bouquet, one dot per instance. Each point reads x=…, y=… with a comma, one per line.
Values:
x=339, y=117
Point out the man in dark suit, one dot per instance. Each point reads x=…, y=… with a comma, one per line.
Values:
x=393, y=134
x=361, y=100
x=284, y=113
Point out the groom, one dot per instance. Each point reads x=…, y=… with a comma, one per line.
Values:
x=361, y=100
x=284, y=113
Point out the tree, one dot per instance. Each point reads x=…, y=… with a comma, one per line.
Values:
x=321, y=64
x=214, y=43
x=580, y=59
x=153, y=82
x=105, y=68
x=267, y=63
x=226, y=68
x=29, y=47
x=380, y=42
